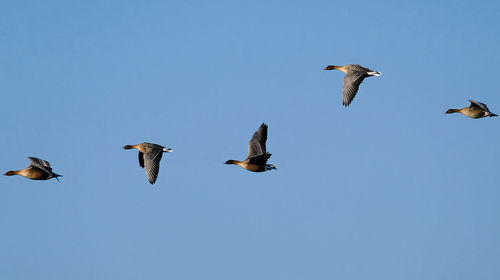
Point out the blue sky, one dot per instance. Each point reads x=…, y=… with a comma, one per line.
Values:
x=389, y=188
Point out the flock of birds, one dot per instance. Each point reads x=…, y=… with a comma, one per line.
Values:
x=150, y=154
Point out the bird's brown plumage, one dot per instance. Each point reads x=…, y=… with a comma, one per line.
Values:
x=149, y=158
x=38, y=169
x=476, y=110
x=355, y=74
x=257, y=154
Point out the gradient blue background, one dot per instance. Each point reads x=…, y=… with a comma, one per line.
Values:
x=389, y=188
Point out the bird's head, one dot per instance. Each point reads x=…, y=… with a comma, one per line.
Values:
x=330, y=67
x=9, y=173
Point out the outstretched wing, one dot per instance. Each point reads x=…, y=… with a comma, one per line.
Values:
x=479, y=105
x=257, y=145
x=40, y=163
x=351, y=86
x=152, y=164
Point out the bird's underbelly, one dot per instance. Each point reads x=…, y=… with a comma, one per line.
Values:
x=252, y=167
x=35, y=174
x=475, y=114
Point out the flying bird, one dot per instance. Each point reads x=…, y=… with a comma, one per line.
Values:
x=37, y=170
x=476, y=110
x=149, y=158
x=355, y=74
x=257, y=155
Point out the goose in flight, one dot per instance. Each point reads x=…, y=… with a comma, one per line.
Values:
x=257, y=155
x=38, y=170
x=355, y=74
x=476, y=110
x=149, y=158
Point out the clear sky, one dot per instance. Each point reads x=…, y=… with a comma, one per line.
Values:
x=388, y=188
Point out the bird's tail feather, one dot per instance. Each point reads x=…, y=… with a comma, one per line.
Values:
x=270, y=166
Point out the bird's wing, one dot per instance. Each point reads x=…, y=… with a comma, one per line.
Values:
x=152, y=164
x=40, y=163
x=357, y=67
x=141, y=159
x=479, y=105
x=259, y=159
x=351, y=86
x=257, y=145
